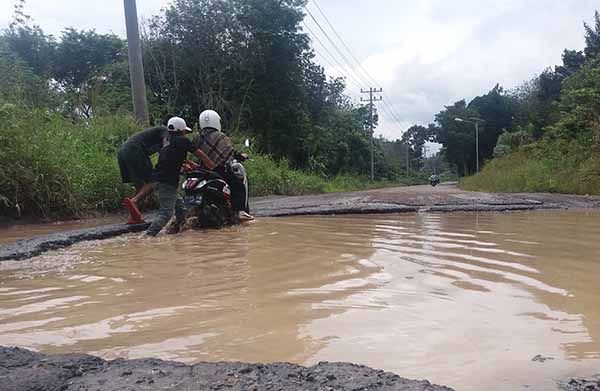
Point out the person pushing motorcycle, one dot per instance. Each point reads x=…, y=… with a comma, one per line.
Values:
x=136, y=168
x=166, y=173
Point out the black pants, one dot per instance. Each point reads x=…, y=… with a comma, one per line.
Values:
x=238, y=190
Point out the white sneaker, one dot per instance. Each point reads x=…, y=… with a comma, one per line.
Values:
x=245, y=216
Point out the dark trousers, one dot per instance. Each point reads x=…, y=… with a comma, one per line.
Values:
x=238, y=190
x=169, y=202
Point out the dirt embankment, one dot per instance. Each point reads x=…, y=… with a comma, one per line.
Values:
x=23, y=370
x=413, y=199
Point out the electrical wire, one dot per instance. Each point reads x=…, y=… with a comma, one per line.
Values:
x=371, y=78
x=337, y=49
x=348, y=77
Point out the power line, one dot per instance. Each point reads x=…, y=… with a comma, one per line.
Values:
x=353, y=74
x=372, y=79
x=340, y=65
x=393, y=113
x=391, y=109
x=337, y=49
x=392, y=117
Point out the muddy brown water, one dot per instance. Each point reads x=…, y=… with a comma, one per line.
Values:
x=11, y=233
x=465, y=300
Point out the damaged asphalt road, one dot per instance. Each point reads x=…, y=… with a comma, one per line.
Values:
x=23, y=370
x=412, y=199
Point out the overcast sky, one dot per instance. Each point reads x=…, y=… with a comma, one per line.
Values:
x=424, y=53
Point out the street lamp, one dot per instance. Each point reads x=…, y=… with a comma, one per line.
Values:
x=475, y=121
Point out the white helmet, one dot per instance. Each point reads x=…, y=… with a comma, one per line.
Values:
x=209, y=119
x=177, y=124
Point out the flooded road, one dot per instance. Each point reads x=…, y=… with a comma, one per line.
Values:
x=11, y=233
x=465, y=300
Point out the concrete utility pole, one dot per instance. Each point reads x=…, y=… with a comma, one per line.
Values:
x=407, y=161
x=136, y=65
x=371, y=99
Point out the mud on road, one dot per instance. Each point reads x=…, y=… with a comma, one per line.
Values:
x=412, y=199
x=23, y=370
x=424, y=198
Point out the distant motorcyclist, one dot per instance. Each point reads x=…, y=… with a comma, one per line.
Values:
x=434, y=180
x=219, y=148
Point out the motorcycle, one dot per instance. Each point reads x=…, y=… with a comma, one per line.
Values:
x=207, y=197
x=434, y=180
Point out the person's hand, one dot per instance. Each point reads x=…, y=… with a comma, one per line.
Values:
x=243, y=157
x=190, y=165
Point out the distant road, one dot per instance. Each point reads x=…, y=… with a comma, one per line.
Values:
x=446, y=197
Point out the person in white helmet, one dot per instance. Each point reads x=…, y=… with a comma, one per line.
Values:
x=219, y=149
x=166, y=173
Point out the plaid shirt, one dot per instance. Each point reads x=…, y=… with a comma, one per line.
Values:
x=216, y=145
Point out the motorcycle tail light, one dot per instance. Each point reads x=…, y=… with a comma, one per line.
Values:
x=190, y=184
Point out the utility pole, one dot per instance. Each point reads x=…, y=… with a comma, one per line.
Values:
x=407, y=161
x=477, y=143
x=371, y=99
x=425, y=150
x=136, y=65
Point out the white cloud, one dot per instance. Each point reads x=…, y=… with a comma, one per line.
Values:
x=103, y=16
x=426, y=54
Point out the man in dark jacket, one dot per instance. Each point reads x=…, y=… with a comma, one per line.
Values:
x=136, y=167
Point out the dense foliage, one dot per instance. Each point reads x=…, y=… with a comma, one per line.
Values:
x=65, y=103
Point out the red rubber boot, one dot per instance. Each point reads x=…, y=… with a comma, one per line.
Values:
x=135, y=216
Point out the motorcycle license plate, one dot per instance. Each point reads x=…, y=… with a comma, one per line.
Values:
x=193, y=200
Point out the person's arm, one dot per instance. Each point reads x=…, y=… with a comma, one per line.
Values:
x=205, y=159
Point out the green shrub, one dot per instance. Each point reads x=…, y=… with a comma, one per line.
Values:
x=557, y=170
x=54, y=167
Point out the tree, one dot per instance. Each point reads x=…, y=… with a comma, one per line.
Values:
x=29, y=43
x=82, y=55
x=580, y=107
x=573, y=60
x=84, y=62
x=592, y=38
x=458, y=139
x=415, y=138
x=497, y=109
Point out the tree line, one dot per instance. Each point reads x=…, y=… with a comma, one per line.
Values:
x=560, y=104
x=247, y=59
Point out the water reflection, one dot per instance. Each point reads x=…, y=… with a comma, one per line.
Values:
x=461, y=299
x=470, y=290
x=227, y=295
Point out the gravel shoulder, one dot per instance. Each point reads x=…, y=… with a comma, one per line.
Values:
x=413, y=199
x=24, y=370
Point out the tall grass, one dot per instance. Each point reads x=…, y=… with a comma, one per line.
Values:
x=268, y=176
x=54, y=167
x=560, y=169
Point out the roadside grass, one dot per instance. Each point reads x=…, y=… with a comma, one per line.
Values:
x=268, y=176
x=561, y=170
x=54, y=167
